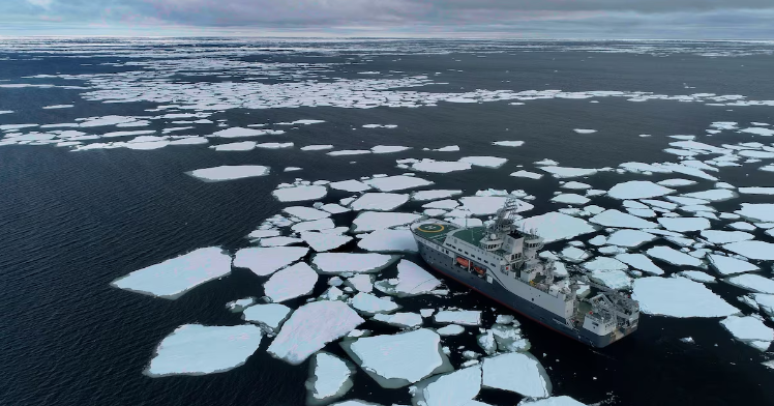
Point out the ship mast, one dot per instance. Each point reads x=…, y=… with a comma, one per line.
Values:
x=504, y=221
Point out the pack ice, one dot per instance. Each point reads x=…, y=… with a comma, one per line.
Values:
x=194, y=349
x=227, y=172
x=174, y=277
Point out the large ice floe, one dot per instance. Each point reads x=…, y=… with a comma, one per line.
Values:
x=338, y=263
x=516, y=372
x=412, y=280
x=753, y=249
x=300, y=193
x=194, y=349
x=311, y=327
x=397, y=183
x=373, y=221
x=226, y=172
x=389, y=241
x=555, y=226
x=379, y=201
x=637, y=189
x=330, y=378
x=174, y=277
x=436, y=194
x=679, y=297
x=433, y=166
x=749, y=330
x=729, y=265
x=752, y=282
x=457, y=388
x=684, y=224
x=291, y=282
x=398, y=360
x=324, y=241
x=269, y=316
x=266, y=261
x=672, y=256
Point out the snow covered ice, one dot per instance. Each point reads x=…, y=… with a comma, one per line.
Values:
x=291, y=282
x=555, y=226
x=300, y=193
x=337, y=263
x=752, y=282
x=412, y=280
x=226, y=172
x=672, y=256
x=269, y=316
x=679, y=297
x=397, y=183
x=330, y=377
x=516, y=372
x=194, y=349
x=401, y=359
x=174, y=277
x=265, y=261
x=369, y=304
x=379, y=201
x=636, y=189
x=401, y=320
x=753, y=249
x=389, y=241
x=373, y=221
x=311, y=327
x=615, y=218
x=457, y=388
x=484, y=161
x=464, y=317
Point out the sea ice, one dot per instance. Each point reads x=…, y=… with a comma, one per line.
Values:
x=508, y=143
x=763, y=212
x=726, y=237
x=349, y=152
x=757, y=190
x=684, y=224
x=612, y=278
x=516, y=372
x=584, y=131
x=555, y=226
x=559, y=172
x=237, y=306
x=389, y=241
x=636, y=189
x=672, y=256
x=388, y=149
x=290, y=283
x=433, y=166
x=396, y=183
x=306, y=213
x=227, y=172
x=759, y=250
x=730, y=266
x=554, y=401
x=679, y=297
x=753, y=282
x=426, y=195
x=698, y=276
x=379, y=201
x=269, y=316
x=311, y=327
x=575, y=185
x=279, y=241
x=464, y=317
x=330, y=378
x=749, y=330
x=265, y=261
x=450, y=330
x=484, y=161
x=174, y=277
x=677, y=182
x=314, y=225
x=715, y=195
x=353, y=186
x=324, y=241
x=337, y=263
x=369, y=304
x=570, y=198
x=194, y=349
x=235, y=146
x=300, y=193
x=411, y=280
x=641, y=262
x=237, y=132
x=526, y=174
x=372, y=221
x=615, y=218
x=401, y=359
x=630, y=238
x=316, y=147
x=453, y=389
x=400, y=320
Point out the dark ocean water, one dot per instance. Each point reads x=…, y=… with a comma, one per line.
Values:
x=72, y=222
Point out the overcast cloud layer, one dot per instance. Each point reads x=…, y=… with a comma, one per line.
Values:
x=715, y=19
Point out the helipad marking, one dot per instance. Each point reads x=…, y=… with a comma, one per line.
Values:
x=431, y=228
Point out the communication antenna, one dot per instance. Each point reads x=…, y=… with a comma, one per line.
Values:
x=505, y=217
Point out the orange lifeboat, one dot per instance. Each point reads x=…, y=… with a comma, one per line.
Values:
x=464, y=262
x=479, y=270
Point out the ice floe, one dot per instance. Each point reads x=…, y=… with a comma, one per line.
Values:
x=290, y=283
x=684, y=224
x=401, y=320
x=753, y=282
x=457, y=388
x=389, y=241
x=311, y=327
x=239, y=132
x=401, y=359
x=370, y=304
x=330, y=378
x=324, y=241
x=484, y=161
x=396, y=183
x=436, y=194
x=337, y=263
x=726, y=237
x=316, y=147
x=194, y=349
x=300, y=193
x=373, y=221
x=464, y=317
x=353, y=186
x=227, y=172
x=433, y=166
x=516, y=372
x=269, y=316
x=388, y=149
x=749, y=330
x=584, y=131
x=630, y=238
x=570, y=198
x=559, y=172
x=237, y=306
x=279, y=241
x=508, y=143
x=679, y=297
x=450, y=330
x=640, y=262
x=752, y=249
x=554, y=401
x=730, y=266
x=411, y=280
x=763, y=212
x=266, y=261
x=174, y=277
x=637, y=189
x=616, y=218
x=555, y=226
x=379, y=201
x=672, y=256
x=526, y=174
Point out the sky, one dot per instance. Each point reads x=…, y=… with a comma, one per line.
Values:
x=511, y=19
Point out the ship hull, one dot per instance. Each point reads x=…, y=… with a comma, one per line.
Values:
x=445, y=265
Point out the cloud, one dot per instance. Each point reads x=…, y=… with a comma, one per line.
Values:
x=519, y=18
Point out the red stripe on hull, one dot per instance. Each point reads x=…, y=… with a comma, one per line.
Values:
x=515, y=310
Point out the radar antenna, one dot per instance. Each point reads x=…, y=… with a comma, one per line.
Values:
x=505, y=217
